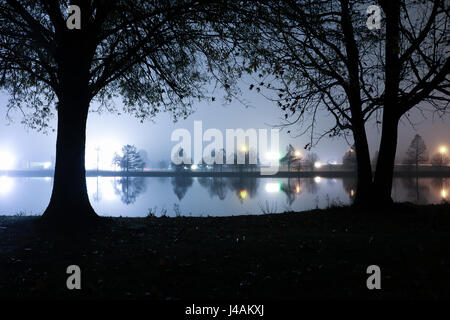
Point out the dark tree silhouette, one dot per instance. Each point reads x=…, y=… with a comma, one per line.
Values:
x=416, y=67
x=130, y=160
x=349, y=158
x=151, y=53
x=313, y=56
x=129, y=188
x=417, y=152
x=291, y=158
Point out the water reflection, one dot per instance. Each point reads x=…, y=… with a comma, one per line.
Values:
x=129, y=188
x=6, y=185
x=133, y=196
x=181, y=184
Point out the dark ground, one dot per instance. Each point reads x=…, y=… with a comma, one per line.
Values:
x=318, y=254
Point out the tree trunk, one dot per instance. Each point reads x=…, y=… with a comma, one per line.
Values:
x=386, y=159
x=69, y=201
x=391, y=115
x=364, y=169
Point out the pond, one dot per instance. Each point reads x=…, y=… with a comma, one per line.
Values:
x=209, y=196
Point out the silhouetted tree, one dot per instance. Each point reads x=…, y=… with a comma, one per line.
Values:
x=415, y=64
x=130, y=160
x=154, y=54
x=129, y=188
x=417, y=152
x=349, y=158
x=315, y=57
x=439, y=159
x=311, y=159
x=291, y=158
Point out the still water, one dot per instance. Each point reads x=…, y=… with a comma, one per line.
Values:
x=213, y=196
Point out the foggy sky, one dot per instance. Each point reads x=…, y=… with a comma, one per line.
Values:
x=154, y=137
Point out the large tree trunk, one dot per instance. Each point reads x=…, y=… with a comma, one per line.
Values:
x=364, y=187
x=69, y=201
x=386, y=159
x=388, y=146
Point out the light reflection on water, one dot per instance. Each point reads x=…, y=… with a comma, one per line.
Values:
x=214, y=196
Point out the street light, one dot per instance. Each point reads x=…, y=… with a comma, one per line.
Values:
x=244, y=148
x=6, y=160
x=298, y=154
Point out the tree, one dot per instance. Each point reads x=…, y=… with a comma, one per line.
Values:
x=130, y=160
x=314, y=57
x=416, y=67
x=349, y=159
x=311, y=159
x=439, y=160
x=292, y=157
x=151, y=53
x=417, y=152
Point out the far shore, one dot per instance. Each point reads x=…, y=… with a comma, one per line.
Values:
x=326, y=171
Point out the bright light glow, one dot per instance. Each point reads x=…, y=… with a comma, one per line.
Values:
x=317, y=165
x=6, y=185
x=47, y=165
x=444, y=194
x=194, y=167
x=443, y=149
x=244, y=148
x=298, y=189
x=273, y=187
x=352, y=193
x=6, y=160
x=317, y=179
x=298, y=153
x=243, y=194
x=273, y=155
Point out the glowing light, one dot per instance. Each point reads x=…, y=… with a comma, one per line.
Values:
x=443, y=149
x=317, y=165
x=298, y=153
x=6, y=184
x=298, y=189
x=244, y=148
x=317, y=179
x=352, y=193
x=444, y=194
x=47, y=165
x=6, y=160
x=243, y=194
x=273, y=187
x=194, y=167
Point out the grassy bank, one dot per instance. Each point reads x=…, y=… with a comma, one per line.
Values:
x=316, y=254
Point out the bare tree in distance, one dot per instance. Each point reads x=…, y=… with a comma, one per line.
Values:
x=417, y=152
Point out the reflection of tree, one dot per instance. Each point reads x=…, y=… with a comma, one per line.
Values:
x=415, y=190
x=244, y=187
x=440, y=187
x=129, y=188
x=217, y=186
x=181, y=184
x=311, y=186
x=292, y=188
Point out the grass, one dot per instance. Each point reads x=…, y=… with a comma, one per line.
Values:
x=315, y=254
